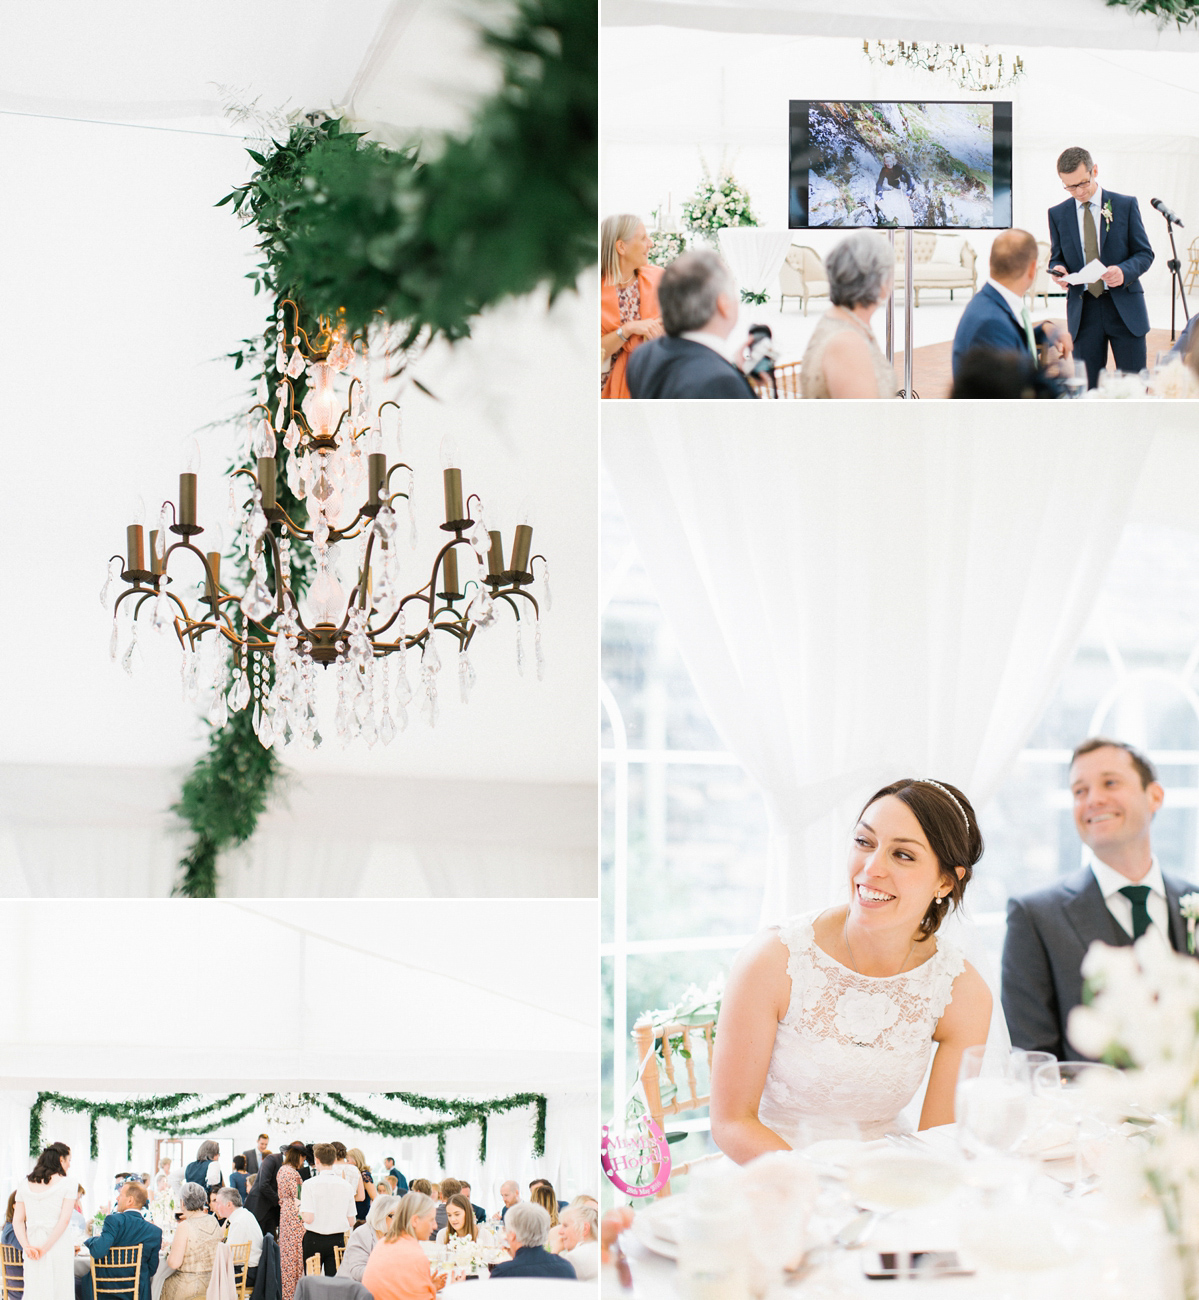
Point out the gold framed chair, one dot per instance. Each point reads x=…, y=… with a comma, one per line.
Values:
x=12, y=1271
x=1192, y=272
x=644, y=1034
x=339, y=1255
x=241, y=1266
x=786, y=380
x=110, y=1273
x=312, y=1266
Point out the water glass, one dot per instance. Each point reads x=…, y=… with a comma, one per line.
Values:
x=993, y=1103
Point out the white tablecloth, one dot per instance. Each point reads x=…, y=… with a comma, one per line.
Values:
x=755, y=256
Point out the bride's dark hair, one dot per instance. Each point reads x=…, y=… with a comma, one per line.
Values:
x=49, y=1163
x=947, y=819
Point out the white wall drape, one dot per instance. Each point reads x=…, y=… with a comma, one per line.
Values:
x=895, y=596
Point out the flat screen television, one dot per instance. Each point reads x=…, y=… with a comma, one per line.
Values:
x=932, y=165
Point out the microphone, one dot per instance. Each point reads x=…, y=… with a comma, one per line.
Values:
x=1165, y=211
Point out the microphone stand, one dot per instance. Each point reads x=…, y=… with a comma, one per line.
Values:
x=1176, y=286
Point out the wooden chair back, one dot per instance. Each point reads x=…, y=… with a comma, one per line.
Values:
x=312, y=1265
x=339, y=1254
x=693, y=1038
x=1192, y=273
x=110, y=1273
x=786, y=382
x=241, y=1266
x=12, y=1271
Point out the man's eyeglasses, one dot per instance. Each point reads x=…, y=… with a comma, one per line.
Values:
x=1078, y=185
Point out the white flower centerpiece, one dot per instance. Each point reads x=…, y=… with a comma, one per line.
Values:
x=162, y=1209
x=1143, y=1013
x=718, y=202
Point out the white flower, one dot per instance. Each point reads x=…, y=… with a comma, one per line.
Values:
x=863, y=1016
x=1188, y=905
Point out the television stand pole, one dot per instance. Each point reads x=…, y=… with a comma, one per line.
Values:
x=909, y=324
x=891, y=306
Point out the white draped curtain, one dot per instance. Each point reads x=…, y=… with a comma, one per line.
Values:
x=894, y=597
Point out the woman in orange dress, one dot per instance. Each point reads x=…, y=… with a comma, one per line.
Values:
x=628, y=297
x=291, y=1226
x=398, y=1268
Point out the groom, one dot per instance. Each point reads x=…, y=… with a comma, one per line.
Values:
x=1096, y=224
x=1117, y=898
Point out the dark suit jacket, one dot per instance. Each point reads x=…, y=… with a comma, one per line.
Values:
x=1048, y=934
x=1182, y=344
x=1122, y=243
x=268, y=1282
x=128, y=1228
x=251, y=1160
x=264, y=1195
x=680, y=368
x=534, y=1261
x=988, y=322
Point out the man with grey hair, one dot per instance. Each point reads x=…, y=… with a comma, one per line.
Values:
x=528, y=1227
x=242, y=1227
x=580, y=1238
x=699, y=303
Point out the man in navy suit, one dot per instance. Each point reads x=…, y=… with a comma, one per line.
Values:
x=528, y=1227
x=1094, y=223
x=125, y=1226
x=699, y=303
x=997, y=316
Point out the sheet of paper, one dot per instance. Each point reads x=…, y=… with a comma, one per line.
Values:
x=1088, y=275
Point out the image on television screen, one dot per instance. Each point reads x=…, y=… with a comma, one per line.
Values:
x=942, y=165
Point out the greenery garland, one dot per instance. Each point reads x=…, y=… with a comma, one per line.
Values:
x=345, y=223
x=138, y=1113
x=1183, y=12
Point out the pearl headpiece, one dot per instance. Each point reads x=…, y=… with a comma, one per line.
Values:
x=924, y=780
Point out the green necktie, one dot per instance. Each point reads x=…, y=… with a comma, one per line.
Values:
x=1028, y=334
x=1136, y=895
x=1090, y=246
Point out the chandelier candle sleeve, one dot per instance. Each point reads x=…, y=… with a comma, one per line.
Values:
x=521, y=548
x=495, y=556
x=453, y=496
x=376, y=467
x=135, y=548
x=187, y=500
x=266, y=481
x=155, y=560
x=449, y=569
x=212, y=580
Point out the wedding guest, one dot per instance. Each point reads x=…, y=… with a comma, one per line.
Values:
x=365, y=1237
x=479, y=1211
x=41, y=1214
x=287, y=1218
x=843, y=358
x=509, y=1194
x=239, y=1179
x=125, y=1226
x=984, y=374
x=997, y=317
x=327, y=1208
x=8, y=1237
x=527, y=1227
x=580, y=1239
x=543, y=1194
x=241, y=1226
x=545, y=1182
x=1122, y=894
x=700, y=307
x=444, y=1190
x=421, y=1185
x=461, y=1221
x=263, y=1202
x=1091, y=225
x=346, y=1169
x=398, y=1268
x=205, y=1169
x=78, y=1219
x=193, y=1249
x=389, y=1166
x=367, y=1184
x=629, y=312
x=256, y=1154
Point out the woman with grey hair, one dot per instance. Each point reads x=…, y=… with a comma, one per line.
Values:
x=398, y=1268
x=364, y=1238
x=843, y=357
x=194, y=1247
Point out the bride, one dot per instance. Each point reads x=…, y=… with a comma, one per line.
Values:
x=829, y=1020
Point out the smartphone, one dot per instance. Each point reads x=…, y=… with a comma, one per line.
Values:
x=891, y=1264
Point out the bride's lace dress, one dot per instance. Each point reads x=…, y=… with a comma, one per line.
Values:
x=851, y=1047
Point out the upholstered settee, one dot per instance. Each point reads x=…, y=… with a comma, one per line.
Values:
x=802, y=276
x=938, y=262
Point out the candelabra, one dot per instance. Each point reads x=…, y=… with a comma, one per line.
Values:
x=972, y=67
x=268, y=643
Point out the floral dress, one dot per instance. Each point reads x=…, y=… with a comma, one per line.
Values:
x=629, y=298
x=851, y=1048
x=291, y=1230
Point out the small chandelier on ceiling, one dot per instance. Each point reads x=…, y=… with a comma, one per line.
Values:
x=261, y=648
x=286, y=1112
x=973, y=67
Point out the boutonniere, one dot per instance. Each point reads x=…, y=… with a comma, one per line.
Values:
x=1188, y=905
x=1107, y=212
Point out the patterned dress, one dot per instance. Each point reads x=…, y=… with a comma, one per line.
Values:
x=291, y=1230
x=629, y=298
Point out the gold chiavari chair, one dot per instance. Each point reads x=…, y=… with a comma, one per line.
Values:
x=786, y=381
x=110, y=1273
x=312, y=1265
x=241, y=1266
x=12, y=1271
x=339, y=1255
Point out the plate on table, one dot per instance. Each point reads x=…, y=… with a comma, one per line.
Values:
x=659, y=1227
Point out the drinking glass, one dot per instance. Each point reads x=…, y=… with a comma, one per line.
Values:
x=1075, y=376
x=1073, y=1092
x=993, y=1101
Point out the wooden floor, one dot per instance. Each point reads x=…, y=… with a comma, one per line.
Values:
x=932, y=372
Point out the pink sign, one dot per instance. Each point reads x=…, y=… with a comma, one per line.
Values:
x=624, y=1154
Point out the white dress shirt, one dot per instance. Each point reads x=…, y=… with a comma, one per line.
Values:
x=330, y=1201
x=1096, y=202
x=243, y=1226
x=1111, y=882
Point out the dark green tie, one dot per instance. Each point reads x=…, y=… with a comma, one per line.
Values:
x=1090, y=251
x=1136, y=895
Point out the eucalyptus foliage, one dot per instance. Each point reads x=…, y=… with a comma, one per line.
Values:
x=1182, y=12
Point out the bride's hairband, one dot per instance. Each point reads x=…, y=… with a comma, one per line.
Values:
x=924, y=780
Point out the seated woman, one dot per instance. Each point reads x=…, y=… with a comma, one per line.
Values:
x=460, y=1222
x=194, y=1247
x=843, y=358
x=365, y=1237
x=629, y=313
x=829, y=1020
x=398, y=1268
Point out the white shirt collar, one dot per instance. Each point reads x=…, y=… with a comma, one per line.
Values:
x=1111, y=882
x=713, y=341
x=1096, y=199
x=1013, y=300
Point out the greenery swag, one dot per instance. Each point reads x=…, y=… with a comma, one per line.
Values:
x=1181, y=11
x=348, y=225
x=172, y=1112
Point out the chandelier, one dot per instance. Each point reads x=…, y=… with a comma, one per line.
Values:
x=263, y=647
x=973, y=67
x=286, y=1112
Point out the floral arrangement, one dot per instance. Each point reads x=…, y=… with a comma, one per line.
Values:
x=717, y=203
x=1188, y=905
x=162, y=1208
x=665, y=246
x=470, y=1256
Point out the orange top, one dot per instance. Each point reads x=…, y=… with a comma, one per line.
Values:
x=399, y=1270
x=647, y=278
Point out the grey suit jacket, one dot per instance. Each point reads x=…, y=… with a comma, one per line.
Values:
x=1048, y=934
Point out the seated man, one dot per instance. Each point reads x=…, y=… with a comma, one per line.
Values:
x=480, y=1212
x=242, y=1227
x=997, y=317
x=699, y=304
x=580, y=1239
x=528, y=1227
x=125, y=1226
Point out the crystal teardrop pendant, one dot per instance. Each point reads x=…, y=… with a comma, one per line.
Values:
x=127, y=658
x=112, y=641
x=430, y=660
x=280, y=358
x=466, y=676
x=481, y=610
x=538, y=657
x=520, y=652
x=240, y=695
x=218, y=714
x=256, y=604
x=104, y=590
x=266, y=734
x=546, y=595
x=291, y=438
x=295, y=367
x=162, y=613
x=387, y=727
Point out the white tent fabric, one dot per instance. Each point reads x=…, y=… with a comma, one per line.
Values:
x=1069, y=23
x=869, y=603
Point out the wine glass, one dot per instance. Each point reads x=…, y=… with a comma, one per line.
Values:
x=1074, y=1092
x=993, y=1102
x=1075, y=377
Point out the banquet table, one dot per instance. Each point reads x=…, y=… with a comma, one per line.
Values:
x=1116, y=1252
x=755, y=256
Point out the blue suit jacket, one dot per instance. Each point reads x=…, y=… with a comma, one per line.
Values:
x=988, y=322
x=1182, y=344
x=535, y=1261
x=674, y=367
x=1122, y=243
x=127, y=1229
